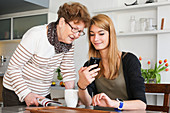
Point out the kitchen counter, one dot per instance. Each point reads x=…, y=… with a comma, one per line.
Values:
x=16, y=109
x=1, y=74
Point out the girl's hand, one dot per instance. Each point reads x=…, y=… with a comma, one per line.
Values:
x=103, y=100
x=86, y=76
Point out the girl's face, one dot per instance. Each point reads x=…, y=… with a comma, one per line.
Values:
x=99, y=37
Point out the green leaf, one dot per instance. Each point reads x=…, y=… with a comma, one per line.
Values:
x=147, y=80
x=151, y=70
x=160, y=65
x=155, y=67
x=58, y=70
x=59, y=77
x=158, y=78
x=144, y=75
x=163, y=68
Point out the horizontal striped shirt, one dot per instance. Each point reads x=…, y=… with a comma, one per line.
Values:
x=32, y=65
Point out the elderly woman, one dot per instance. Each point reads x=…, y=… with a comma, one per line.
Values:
x=42, y=49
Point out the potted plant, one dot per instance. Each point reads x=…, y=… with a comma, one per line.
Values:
x=153, y=75
x=59, y=78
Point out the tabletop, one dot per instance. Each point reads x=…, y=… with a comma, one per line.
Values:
x=22, y=109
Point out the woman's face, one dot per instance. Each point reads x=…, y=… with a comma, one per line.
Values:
x=99, y=37
x=66, y=34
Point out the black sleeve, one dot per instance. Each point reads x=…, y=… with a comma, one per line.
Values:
x=134, y=80
x=91, y=87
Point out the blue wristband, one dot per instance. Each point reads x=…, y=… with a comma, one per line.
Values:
x=120, y=106
x=120, y=103
x=116, y=109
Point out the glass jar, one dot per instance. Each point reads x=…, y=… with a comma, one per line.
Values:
x=132, y=23
x=142, y=24
x=149, y=26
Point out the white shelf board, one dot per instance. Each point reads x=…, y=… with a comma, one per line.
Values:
x=127, y=8
x=155, y=32
x=57, y=87
x=11, y=40
x=154, y=94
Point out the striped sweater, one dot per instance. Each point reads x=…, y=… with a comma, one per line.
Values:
x=32, y=65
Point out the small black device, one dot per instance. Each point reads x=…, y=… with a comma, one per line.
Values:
x=94, y=60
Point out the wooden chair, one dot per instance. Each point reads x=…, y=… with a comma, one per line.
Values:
x=159, y=88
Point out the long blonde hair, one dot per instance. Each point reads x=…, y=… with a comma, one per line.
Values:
x=104, y=22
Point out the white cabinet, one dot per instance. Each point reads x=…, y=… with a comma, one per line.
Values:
x=151, y=45
x=23, y=24
x=13, y=26
x=5, y=29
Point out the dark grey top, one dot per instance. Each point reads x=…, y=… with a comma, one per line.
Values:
x=113, y=88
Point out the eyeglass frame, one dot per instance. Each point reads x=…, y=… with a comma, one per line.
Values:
x=75, y=30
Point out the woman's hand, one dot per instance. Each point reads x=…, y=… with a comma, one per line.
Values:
x=86, y=76
x=103, y=100
x=31, y=99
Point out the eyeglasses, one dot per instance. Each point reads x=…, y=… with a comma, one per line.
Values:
x=75, y=30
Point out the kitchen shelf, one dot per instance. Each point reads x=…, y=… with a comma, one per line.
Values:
x=11, y=40
x=155, y=32
x=134, y=7
x=1, y=74
x=57, y=87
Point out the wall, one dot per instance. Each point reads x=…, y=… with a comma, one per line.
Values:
x=149, y=47
x=1, y=78
x=163, y=41
x=6, y=49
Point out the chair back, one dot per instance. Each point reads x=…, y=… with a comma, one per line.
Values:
x=159, y=88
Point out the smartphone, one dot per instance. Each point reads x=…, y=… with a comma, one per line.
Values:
x=94, y=60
